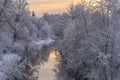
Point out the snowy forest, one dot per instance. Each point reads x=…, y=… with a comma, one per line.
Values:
x=87, y=38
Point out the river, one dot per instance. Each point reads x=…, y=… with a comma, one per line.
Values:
x=46, y=70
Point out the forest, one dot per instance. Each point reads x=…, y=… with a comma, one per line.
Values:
x=87, y=38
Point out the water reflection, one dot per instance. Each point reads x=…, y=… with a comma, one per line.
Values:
x=46, y=71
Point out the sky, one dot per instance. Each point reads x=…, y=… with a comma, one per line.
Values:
x=50, y=6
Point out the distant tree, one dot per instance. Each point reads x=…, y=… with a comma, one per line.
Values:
x=71, y=9
x=33, y=13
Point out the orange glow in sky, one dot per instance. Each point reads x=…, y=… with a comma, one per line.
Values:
x=50, y=6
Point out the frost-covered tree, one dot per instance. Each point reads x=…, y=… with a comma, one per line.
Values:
x=10, y=61
x=17, y=33
x=89, y=46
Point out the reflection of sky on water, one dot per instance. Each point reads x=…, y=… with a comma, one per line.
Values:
x=46, y=72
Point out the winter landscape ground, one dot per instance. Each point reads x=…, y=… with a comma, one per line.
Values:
x=80, y=44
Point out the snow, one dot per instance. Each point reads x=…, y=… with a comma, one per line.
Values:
x=43, y=42
x=11, y=58
x=8, y=62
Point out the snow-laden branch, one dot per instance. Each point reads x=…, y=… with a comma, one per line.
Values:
x=43, y=42
x=10, y=67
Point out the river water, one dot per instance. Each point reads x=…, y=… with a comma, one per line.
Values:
x=46, y=70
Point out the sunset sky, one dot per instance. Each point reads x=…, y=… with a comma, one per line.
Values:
x=51, y=6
